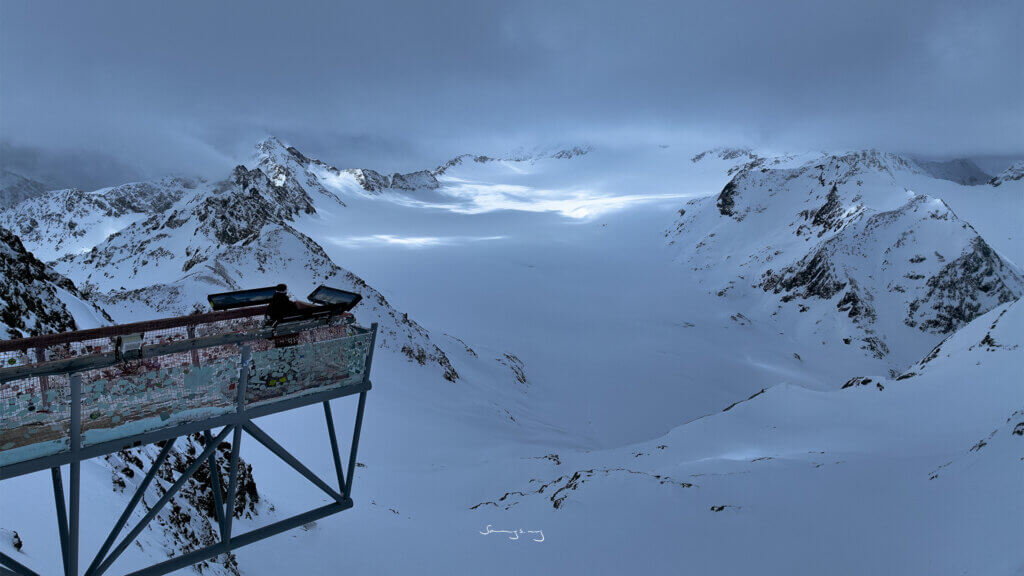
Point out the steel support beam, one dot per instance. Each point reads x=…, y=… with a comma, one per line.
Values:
x=355, y=444
x=103, y=561
x=279, y=451
x=134, y=533
x=236, y=443
x=359, y=412
x=14, y=566
x=68, y=516
x=75, y=479
x=136, y=498
x=334, y=446
x=62, y=516
x=243, y=539
x=218, y=497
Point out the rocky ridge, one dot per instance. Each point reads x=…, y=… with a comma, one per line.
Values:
x=842, y=233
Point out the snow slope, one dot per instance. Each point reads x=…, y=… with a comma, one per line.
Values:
x=846, y=247
x=917, y=475
x=64, y=222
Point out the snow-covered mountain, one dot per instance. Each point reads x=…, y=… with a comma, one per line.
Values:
x=60, y=222
x=219, y=236
x=374, y=182
x=1011, y=174
x=959, y=170
x=15, y=188
x=34, y=299
x=846, y=249
x=290, y=169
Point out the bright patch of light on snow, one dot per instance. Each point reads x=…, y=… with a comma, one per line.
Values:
x=113, y=227
x=478, y=198
x=406, y=241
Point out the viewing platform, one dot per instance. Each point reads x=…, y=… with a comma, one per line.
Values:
x=72, y=396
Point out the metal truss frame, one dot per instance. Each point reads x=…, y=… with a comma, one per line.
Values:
x=68, y=513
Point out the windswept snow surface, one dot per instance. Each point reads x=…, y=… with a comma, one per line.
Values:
x=607, y=396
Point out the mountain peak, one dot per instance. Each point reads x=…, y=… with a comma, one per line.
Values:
x=871, y=159
x=1014, y=172
x=270, y=144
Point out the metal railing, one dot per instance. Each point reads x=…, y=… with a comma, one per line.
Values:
x=68, y=397
x=179, y=374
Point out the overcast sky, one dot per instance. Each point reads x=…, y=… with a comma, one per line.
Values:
x=109, y=90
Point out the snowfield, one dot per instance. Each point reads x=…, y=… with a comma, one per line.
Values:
x=595, y=359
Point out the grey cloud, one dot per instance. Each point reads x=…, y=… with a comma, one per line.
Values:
x=189, y=86
x=58, y=168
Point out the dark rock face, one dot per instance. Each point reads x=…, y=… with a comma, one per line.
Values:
x=299, y=156
x=827, y=217
x=559, y=489
x=811, y=277
x=419, y=355
x=458, y=160
x=147, y=197
x=857, y=381
x=727, y=198
x=725, y=154
x=370, y=180
x=239, y=208
x=287, y=201
x=515, y=364
x=29, y=304
x=236, y=213
x=853, y=305
x=414, y=181
x=954, y=294
x=571, y=152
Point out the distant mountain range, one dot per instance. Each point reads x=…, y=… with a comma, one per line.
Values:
x=15, y=188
